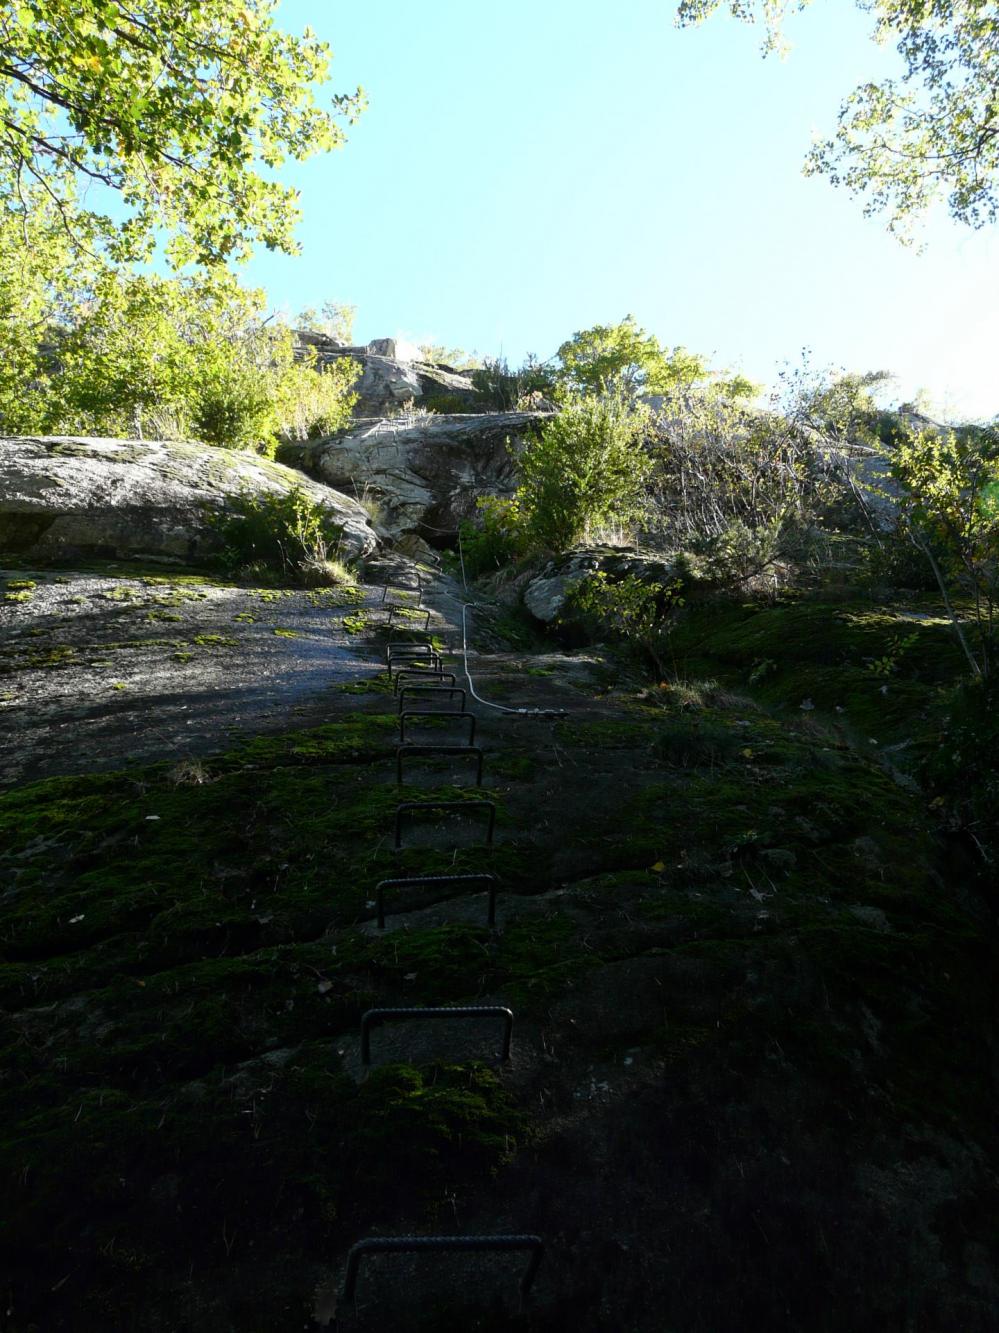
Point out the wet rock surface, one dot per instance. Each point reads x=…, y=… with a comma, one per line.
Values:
x=99, y=670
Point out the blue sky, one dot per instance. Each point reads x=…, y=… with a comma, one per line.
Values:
x=528, y=169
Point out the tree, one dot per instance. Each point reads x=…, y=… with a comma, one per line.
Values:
x=623, y=358
x=441, y=354
x=335, y=319
x=586, y=467
x=904, y=143
x=90, y=348
x=181, y=111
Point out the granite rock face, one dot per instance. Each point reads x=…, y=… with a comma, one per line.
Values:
x=390, y=378
x=424, y=474
x=72, y=496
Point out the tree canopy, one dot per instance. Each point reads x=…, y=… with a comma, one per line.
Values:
x=180, y=111
x=932, y=133
x=624, y=359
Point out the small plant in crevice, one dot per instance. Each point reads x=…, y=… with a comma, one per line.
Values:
x=287, y=534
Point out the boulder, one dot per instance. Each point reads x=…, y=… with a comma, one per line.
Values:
x=391, y=376
x=424, y=474
x=546, y=595
x=71, y=496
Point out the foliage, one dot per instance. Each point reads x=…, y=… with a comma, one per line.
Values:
x=961, y=769
x=934, y=133
x=504, y=390
x=496, y=540
x=232, y=406
x=950, y=506
x=181, y=111
x=87, y=348
x=624, y=359
x=629, y=608
x=740, y=487
x=285, y=532
x=312, y=402
x=442, y=355
x=335, y=319
x=585, y=466
x=844, y=407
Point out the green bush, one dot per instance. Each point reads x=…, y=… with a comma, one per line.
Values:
x=629, y=608
x=93, y=349
x=496, y=540
x=233, y=407
x=585, y=467
x=501, y=389
x=286, y=533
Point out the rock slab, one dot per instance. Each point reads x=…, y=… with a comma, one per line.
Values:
x=74, y=496
x=424, y=473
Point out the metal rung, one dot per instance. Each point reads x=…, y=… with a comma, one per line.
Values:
x=427, y=675
x=439, y=1244
x=467, y=807
x=436, y=712
x=461, y=1011
x=450, y=751
x=434, y=692
x=406, y=592
x=405, y=661
x=406, y=648
x=423, y=611
x=491, y=880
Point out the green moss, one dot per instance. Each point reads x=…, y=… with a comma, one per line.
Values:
x=431, y=1114
x=215, y=641
x=355, y=624
x=520, y=765
x=286, y=633
x=380, y=684
x=876, y=670
x=181, y=961
x=344, y=594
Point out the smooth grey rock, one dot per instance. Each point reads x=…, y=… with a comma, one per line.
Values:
x=77, y=496
x=545, y=598
x=423, y=474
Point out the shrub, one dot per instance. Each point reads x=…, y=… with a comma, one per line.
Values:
x=496, y=540
x=630, y=609
x=313, y=402
x=586, y=466
x=950, y=506
x=501, y=389
x=962, y=768
x=233, y=406
x=287, y=533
